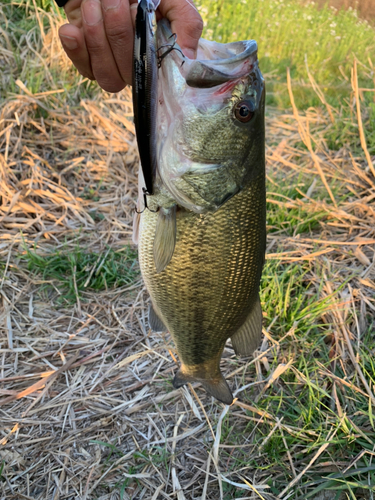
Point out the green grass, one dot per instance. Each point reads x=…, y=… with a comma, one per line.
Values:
x=288, y=33
x=77, y=271
x=281, y=217
x=20, y=25
x=158, y=456
x=292, y=35
x=2, y=478
x=286, y=296
x=303, y=396
x=115, y=452
x=303, y=400
x=291, y=293
x=344, y=132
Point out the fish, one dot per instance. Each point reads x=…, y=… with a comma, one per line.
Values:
x=145, y=88
x=202, y=239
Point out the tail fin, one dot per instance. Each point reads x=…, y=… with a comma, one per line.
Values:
x=217, y=387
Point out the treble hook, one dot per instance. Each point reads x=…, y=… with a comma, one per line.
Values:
x=169, y=50
x=145, y=193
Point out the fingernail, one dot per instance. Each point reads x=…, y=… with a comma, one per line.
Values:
x=110, y=4
x=69, y=42
x=92, y=12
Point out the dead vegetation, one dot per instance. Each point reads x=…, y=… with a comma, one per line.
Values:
x=365, y=8
x=87, y=407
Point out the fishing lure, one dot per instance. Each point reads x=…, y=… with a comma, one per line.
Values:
x=145, y=89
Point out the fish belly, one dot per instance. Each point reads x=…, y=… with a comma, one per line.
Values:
x=206, y=292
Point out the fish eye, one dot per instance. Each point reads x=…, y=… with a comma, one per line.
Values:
x=244, y=111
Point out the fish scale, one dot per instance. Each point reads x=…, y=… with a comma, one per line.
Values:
x=202, y=239
x=205, y=293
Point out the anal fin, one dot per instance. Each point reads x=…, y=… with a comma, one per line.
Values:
x=165, y=237
x=248, y=337
x=216, y=387
x=154, y=321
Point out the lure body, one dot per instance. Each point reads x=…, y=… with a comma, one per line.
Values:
x=145, y=88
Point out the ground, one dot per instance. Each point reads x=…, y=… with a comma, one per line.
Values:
x=88, y=409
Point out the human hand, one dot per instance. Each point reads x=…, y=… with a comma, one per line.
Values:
x=100, y=35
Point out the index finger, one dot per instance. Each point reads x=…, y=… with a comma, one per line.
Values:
x=186, y=22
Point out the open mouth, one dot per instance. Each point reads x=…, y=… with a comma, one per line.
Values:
x=216, y=63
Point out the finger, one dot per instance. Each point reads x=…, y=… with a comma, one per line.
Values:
x=73, y=41
x=133, y=10
x=186, y=22
x=120, y=34
x=103, y=63
x=73, y=12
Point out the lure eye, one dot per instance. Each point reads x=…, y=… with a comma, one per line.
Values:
x=244, y=111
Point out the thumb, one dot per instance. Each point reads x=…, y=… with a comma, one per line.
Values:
x=186, y=22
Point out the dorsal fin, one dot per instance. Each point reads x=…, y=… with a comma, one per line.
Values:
x=165, y=237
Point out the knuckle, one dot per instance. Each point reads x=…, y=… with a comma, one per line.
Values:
x=188, y=20
x=116, y=34
x=190, y=15
x=199, y=25
x=195, y=26
x=95, y=38
x=95, y=44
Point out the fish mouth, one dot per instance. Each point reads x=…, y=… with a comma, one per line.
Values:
x=216, y=63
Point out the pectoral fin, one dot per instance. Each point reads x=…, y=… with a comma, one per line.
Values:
x=136, y=223
x=216, y=387
x=154, y=321
x=247, y=338
x=165, y=237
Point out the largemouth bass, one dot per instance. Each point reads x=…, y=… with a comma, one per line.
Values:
x=202, y=241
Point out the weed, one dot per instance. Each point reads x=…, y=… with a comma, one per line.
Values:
x=291, y=34
x=2, y=478
x=80, y=270
x=282, y=218
x=317, y=416
x=344, y=132
x=156, y=457
x=287, y=33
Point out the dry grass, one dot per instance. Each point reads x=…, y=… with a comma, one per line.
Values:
x=365, y=8
x=87, y=408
